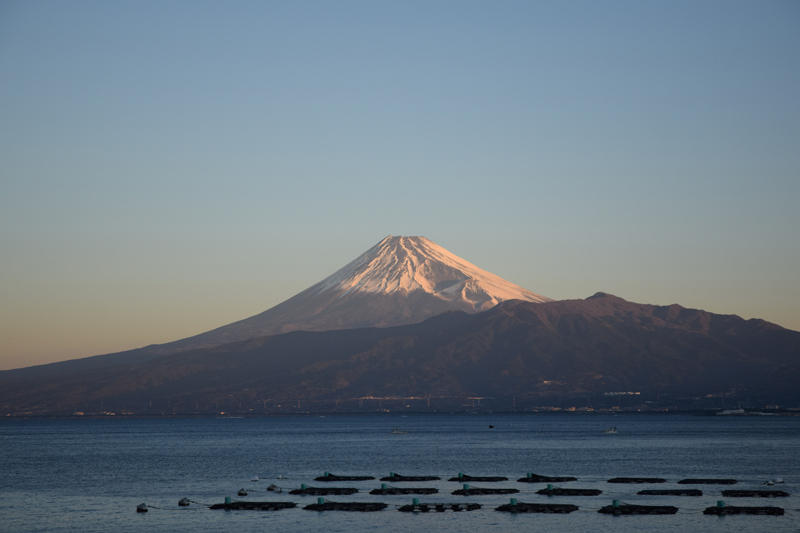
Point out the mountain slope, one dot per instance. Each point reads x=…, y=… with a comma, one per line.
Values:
x=538, y=354
x=400, y=280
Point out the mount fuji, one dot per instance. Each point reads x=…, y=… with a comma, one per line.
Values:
x=400, y=280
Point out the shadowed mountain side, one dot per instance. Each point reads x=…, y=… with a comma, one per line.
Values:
x=518, y=348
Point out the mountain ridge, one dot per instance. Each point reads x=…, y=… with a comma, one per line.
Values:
x=537, y=353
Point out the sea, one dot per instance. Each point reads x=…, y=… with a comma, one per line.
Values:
x=90, y=474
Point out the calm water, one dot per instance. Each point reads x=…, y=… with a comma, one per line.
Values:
x=89, y=475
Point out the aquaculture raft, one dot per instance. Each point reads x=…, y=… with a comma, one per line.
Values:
x=627, y=509
x=403, y=490
x=362, y=507
x=323, y=491
x=465, y=477
x=395, y=477
x=520, y=507
x=671, y=492
x=732, y=509
x=254, y=506
x=557, y=491
x=333, y=477
x=637, y=480
x=536, y=478
x=478, y=491
x=755, y=493
x=439, y=507
x=706, y=481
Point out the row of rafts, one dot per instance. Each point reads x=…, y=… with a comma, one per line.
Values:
x=514, y=506
x=616, y=508
x=550, y=490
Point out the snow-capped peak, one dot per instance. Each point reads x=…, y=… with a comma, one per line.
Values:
x=407, y=264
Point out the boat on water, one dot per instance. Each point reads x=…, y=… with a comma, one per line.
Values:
x=398, y=431
x=610, y=431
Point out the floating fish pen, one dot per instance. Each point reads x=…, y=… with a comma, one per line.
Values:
x=361, y=507
x=755, y=493
x=480, y=491
x=323, y=491
x=706, y=481
x=558, y=491
x=637, y=480
x=629, y=509
x=327, y=476
x=465, y=477
x=438, y=507
x=670, y=492
x=253, y=506
x=722, y=510
x=395, y=477
x=536, y=478
x=521, y=507
x=392, y=491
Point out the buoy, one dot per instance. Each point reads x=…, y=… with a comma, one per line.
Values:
x=720, y=503
x=184, y=502
x=549, y=486
x=615, y=503
x=303, y=486
x=141, y=508
x=466, y=486
x=513, y=501
x=460, y=476
x=383, y=485
x=414, y=501
x=227, y=500
x=529, y=475
x=320, y=500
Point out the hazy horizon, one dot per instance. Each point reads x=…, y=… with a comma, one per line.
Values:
x=169, y=168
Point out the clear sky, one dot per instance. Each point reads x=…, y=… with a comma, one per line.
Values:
x=168, y=167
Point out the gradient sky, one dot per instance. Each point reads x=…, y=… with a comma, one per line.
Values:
x=168, y=167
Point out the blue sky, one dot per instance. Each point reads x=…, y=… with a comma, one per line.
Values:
x=167, y=167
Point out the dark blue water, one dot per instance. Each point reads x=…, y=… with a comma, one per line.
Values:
x=89, y=475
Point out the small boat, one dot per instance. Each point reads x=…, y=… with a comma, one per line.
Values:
x=611, y=431
x=398, y=431
x=242, y=492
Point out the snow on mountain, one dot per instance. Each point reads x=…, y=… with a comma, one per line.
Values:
x=400, y=280
x=407, y=264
